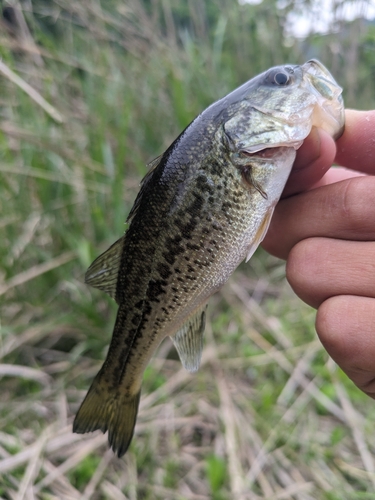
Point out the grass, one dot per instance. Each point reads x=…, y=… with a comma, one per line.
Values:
x=268, y=415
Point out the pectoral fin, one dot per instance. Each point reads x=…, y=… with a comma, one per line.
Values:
x=104, y=270
x=261, y=233
x=189, y=340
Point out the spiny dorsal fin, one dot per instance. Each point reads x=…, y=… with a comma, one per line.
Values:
x=189, y=340
x=104, y=270
x=152, y=166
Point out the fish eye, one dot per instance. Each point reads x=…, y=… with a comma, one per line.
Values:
x=281, y=78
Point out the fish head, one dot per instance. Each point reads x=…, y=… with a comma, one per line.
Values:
x=278, y=108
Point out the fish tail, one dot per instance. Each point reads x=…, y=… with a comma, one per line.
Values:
x=107, y=409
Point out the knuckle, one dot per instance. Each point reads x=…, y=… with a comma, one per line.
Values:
x=355, y=204
x=350, y=199
x=301, y=263
x=303, y=271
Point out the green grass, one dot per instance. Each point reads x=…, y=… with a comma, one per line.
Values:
x=268, y=415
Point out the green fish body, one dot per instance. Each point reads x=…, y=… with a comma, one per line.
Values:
x=204, y=207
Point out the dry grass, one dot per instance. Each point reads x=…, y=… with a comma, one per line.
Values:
x=246, y=426
x=268, y=415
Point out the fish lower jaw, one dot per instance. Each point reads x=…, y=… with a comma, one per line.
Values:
x=269, y=150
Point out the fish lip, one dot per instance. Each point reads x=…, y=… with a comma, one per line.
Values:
x=261, y=147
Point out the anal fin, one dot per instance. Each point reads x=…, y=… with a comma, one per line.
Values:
x=189, y=340
x=103, y=272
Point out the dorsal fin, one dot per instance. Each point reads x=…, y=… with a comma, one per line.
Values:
x=104, y=270
x=189, y=340
x=152, y=166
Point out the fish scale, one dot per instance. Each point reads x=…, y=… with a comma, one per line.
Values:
x=204, y=206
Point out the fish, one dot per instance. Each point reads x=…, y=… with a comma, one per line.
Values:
x=204, y=206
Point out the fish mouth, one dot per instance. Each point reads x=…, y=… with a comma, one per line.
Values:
x=328, y=112
x=321, y=80
x=313, y=100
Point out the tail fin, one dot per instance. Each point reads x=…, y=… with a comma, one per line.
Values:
x=107, y=409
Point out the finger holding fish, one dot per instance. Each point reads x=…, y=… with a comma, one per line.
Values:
x=313, y=161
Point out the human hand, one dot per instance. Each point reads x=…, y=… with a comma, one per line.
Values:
x=327, y=235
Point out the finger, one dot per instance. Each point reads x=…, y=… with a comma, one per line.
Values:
x=319, y=268
x=313, y=159
x=337, y=174
x=342, y=210
x=355, y=148
x=345, y=325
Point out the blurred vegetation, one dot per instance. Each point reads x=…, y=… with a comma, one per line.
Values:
x=267, y=414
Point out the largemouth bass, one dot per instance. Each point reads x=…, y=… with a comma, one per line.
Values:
x=204, y=206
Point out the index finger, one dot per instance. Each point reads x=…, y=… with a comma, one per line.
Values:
x=355, y=151
x=313, y=159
